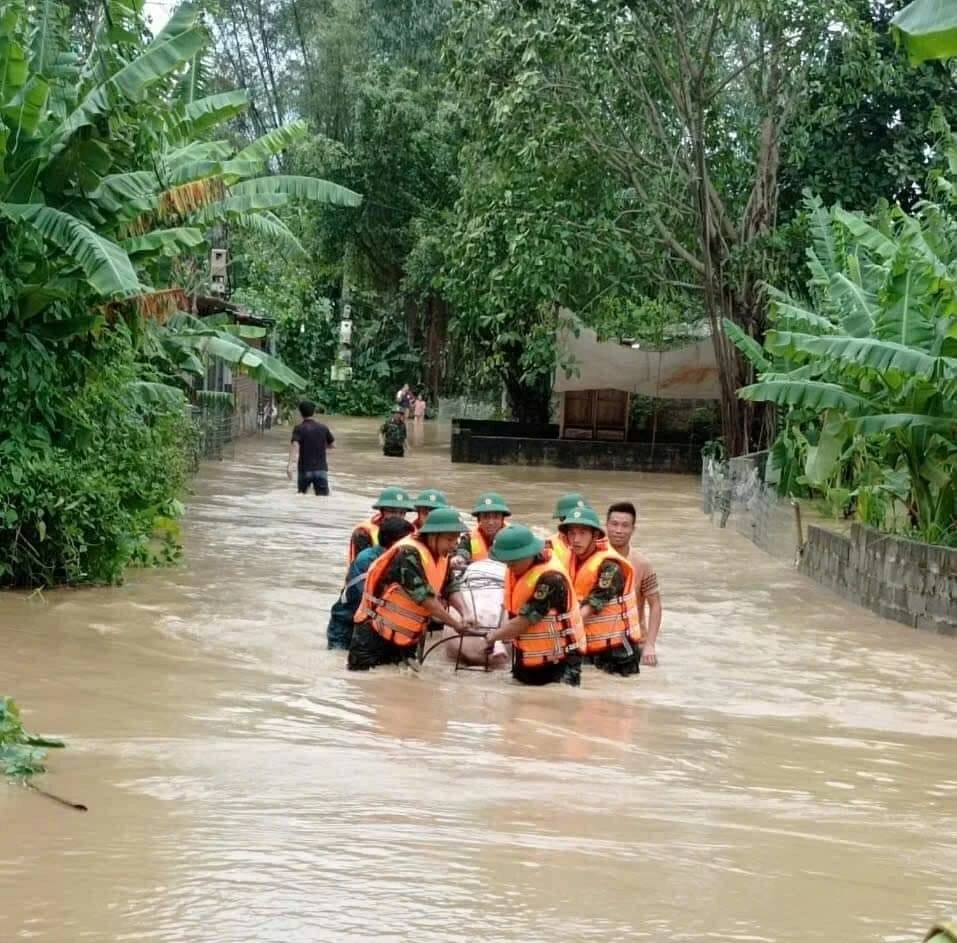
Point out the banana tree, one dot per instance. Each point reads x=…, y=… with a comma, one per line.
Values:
x=865, y=372
x=107, y=160
x=185, y=343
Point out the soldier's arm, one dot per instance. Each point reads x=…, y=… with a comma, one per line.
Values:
x=408, y=573
x=452, y=591
x=609, y=585
x=549, y=595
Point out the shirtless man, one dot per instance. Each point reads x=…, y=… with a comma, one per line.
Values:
x=620, y=525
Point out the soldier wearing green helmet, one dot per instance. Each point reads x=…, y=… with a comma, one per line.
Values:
x=490, y=511
x=403, y=592
x=558, y=542
x=604, y=583
x=428, y=500
x=544, y=620
x=392, y=502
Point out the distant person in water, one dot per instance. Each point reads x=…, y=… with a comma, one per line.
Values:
x=307, y=451
x=339, y=632
x=419, y=408
x=393, y=435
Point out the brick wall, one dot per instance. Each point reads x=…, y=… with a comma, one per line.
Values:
x=904, y=580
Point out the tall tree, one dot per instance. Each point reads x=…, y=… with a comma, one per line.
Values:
x=685, y=105
x=867, y=128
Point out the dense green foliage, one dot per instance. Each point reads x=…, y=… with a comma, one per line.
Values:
x=110, y=185
x=865, y=371
x=622, y=160
x=363, y=73
x=640, y=164
x=22, y=754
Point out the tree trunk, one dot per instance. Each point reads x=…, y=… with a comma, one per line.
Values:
x=435, y=342
x=529, y=401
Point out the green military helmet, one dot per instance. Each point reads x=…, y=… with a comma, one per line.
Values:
x=397, y=498
x=567, y=503
x=516, y=542
x=443, y=521
x=491, y=502
x=431, y=498
x=582, y=517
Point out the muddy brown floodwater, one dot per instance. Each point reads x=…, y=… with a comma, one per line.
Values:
x=789, y=773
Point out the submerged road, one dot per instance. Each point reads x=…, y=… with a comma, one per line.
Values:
x=788, y=773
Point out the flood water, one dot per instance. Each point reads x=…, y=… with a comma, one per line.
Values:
x=788, y=773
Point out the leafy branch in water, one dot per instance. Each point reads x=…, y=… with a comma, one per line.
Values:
x=22, y=754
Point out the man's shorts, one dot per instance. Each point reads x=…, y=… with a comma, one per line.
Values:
x=393, y=451
x=318, y=479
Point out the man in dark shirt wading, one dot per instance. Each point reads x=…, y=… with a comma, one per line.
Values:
x=307, y=451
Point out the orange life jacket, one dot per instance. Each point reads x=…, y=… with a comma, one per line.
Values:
x=388, y=608
x=618, y=621
x=478, y=545
x=370, y=527
x=561, y=549
x=558, y=634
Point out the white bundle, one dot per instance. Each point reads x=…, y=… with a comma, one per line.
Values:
x=483, y=589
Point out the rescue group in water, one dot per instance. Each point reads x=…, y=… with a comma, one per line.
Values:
x=544, y=606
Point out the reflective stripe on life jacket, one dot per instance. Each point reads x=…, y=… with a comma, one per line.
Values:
x=370, y=527
x=561, y=550
x=389, y=609
x=555, y=636
x=618, y=620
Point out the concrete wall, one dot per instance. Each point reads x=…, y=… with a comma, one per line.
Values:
x=904, y=580
x=570, y=453
x=506, y=428
x=245, y=420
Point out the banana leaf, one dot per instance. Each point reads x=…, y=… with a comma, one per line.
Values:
x=106, y=266
x=928, y=29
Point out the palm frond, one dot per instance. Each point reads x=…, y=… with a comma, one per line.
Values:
x=167, y=242
x=274, y=142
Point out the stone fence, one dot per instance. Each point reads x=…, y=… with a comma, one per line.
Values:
x=900, y=579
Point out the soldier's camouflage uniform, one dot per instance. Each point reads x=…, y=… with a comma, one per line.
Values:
x=368, y=648
x=550, y=595
x=610, y=584
x=393, y=438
